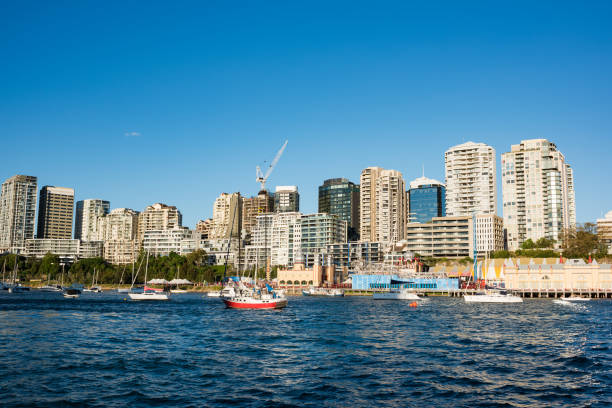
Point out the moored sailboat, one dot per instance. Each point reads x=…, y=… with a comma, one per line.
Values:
x=148, y=293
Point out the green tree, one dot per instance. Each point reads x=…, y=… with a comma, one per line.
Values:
x=528, y=244
x=582, y=241
x=544, y=243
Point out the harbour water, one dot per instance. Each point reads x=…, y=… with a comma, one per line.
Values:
x=101, y=350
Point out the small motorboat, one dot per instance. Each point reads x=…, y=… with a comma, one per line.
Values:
x=396, y=294
x=51, y=288
x=178, y=291
x=72, y=293
x=18, y=289
x=213, y=293
x=93, y=289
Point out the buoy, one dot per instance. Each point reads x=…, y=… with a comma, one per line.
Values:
x=413, y=304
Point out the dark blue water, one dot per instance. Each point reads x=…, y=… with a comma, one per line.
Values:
x=101, y=350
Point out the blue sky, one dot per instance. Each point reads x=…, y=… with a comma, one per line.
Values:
x=148, y=102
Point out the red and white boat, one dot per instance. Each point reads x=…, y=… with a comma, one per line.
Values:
x=256, y=299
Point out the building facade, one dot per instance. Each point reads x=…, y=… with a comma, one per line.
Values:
x=205, y=227
x=286, y=199
x=253, y=207
x=471, y=183
x=119, y=231
x=489, y=233
x=317, y=232
x=86, y=218
x=158, y=217
x=68, y=250
x=17, y=212
x=340, y=197
x=367, y=203
x=538, y=192
x=164, y=242
x=55, y=211
x=227, y=212
x=351, y=254
x=426, y=200
x=391, y=207
x=441, y=237
x=604, y=230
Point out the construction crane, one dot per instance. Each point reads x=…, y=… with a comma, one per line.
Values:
x=261, y=178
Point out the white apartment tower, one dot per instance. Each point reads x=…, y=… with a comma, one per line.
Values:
x=471, y=186
x=538, y=192
x=227, y=212
x=119, y=231
x=390, y=207
x=86, y=219
x=17, y=212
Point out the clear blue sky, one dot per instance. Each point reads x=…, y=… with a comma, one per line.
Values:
x=176, y=102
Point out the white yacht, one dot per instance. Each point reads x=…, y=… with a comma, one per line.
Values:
x=493, y=296
x=396, y=294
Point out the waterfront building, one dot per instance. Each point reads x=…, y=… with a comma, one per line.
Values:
x=301, y=276
x=164, y=242
x=158, y=217
x=86, y=218
x=317, y=232
x=391, y=207
x=538, y=192
x=352, y=254
x=277, y=235
x=383, y=281
x=368, y=203
x=340, y=197
x=489, y=233
x=226, y=219
x=55, y=210
x=441, y=237
x=205, y=227
x=286, y=199
x=17, y=212
x=253, y=207
x=382, y=205
x=68, y=250
x=604, y=230
x=471, y=183
x=426, y=199
x=119, y=231
x=573, y=275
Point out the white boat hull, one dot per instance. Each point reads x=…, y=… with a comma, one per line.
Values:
x=492, y=299
x=402, y=295
x=148, y=296
x=214, y=294
x=177, y=291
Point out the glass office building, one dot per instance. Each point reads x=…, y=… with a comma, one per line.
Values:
x=340, y=197
x=426, y=199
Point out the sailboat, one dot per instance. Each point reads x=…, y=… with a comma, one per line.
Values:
x=491, y=295
x=50, y=288
x=178, y=281
x=72, y=292
x=17, y=287
x=93, y=288
x=149, y=293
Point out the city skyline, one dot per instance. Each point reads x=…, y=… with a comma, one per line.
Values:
x=137, y=115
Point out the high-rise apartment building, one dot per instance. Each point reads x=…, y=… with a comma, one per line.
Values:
x=252, y=207
x=55, y=210
x=391, y=207
x=86, y=218
x=538, y=192
x=471, y=186
x=489, y=233
x=286, y=199
x=17, y=212
x=158, y=217
x=119, y=231
x=227, y=213
x=426, y=200
x=441, y=237
x=317, y=232
x=367, y=203
x=340, y=197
